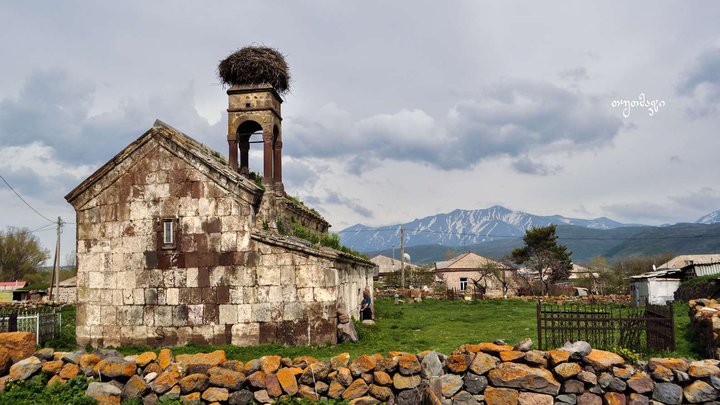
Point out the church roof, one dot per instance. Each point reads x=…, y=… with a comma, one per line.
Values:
x=172, y=138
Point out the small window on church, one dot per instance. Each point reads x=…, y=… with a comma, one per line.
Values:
x=168, y=237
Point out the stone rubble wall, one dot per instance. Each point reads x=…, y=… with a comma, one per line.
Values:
x=489, y=373
x=705, y=321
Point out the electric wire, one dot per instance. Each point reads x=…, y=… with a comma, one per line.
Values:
x=23, y=200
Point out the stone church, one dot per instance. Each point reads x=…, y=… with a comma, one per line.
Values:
x=177, y=244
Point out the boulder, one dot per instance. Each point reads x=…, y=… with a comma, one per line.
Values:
x=408, y=364
x=380, y=392
x=115, y=367
x=501, y=396
x=135, y=388
x=224, y=378
x=287, y=381
x=702, y=369
x=165, y=357
x=577, y=349
x=335, y=389
x=272, y=386
x=23, y=369
x=640, y=383
x=458, y=363
x=270, y=364
x=44, y=354
x=256, y=380
x=464, y=398
x=69, y=371
x=615, y=398
x=637, y=399
x=662, y=373
x=144, y=359
x=524, y=345
x=215, y=394
x=242, y=397
x=671, y=363
x=488, y=348
x=514, y=375
x=382, y=378
x=409, y=397
x=346, y=332
x=474, y=384
x=603, y=360
x=363, y=364
x=567, y=370
x=450, y=384
x=587, y=377
x=700, y=391
x=164, y=381
x=402, y=382
x=668, y=393
x=201, y=362
x=52, y=367
x=511, y=355
x=19, y=345
x=366, y=400
x=587, y=398
x=431, y=365
x=193, y=382
x=357, y=389
x=482, y=363
x=341, y=360
x=531, y=398
x=537, y=357
x=558, y=356
x=104, y=393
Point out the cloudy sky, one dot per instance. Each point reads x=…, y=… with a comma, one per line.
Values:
x=398, y=110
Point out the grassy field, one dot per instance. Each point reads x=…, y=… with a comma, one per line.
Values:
x=429, y=325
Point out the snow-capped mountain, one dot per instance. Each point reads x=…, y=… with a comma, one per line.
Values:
x=460, y=228
x=711, y=218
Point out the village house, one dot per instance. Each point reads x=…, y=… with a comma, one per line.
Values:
x=387, y=266
x=658, y=286
x=467, y=270
x=177, y=243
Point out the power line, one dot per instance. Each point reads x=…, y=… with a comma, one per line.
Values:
x=43, y=228
x=23, y=200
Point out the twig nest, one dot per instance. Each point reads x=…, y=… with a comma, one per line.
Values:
x=253, y=65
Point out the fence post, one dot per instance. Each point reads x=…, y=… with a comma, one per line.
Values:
x=12, y=322
x=37, y=328
x=539, y=329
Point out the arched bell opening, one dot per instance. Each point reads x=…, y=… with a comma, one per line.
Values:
x=277, y=158
x=249, y=132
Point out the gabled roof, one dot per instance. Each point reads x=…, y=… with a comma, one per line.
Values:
x=684, y=260
x=69, y=282
x=468, y=260
x=11, y=285
x=388, y=264
x=171, y=138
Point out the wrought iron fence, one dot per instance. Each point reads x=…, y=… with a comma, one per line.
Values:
x=44, y=322
x=604, y=326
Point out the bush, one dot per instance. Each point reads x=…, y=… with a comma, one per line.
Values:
x=36, y=391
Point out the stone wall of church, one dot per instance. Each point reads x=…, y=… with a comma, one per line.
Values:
x=217, y=283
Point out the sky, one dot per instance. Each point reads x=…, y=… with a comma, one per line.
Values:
x=397, y=110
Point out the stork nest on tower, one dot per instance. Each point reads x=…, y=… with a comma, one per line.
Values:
x=254, y=65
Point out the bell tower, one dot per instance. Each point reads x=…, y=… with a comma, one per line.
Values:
x=256, y=76
x=255, y=110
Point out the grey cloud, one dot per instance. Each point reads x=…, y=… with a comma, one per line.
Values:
x=510, y=119
x=528, y=166
x=54, y=108
x=298, y=174
x=702, y=81
x=679, y=207
x=334, y=198
x=575, y=74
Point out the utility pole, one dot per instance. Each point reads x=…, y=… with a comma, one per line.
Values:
x=55, y=280
x=402, y=257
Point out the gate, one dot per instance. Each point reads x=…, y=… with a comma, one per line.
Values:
x=605, y=326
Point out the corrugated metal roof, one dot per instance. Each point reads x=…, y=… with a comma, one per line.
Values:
x=657, y=273
x=706, y=269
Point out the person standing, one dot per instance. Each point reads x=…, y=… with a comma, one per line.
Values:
x=366, y=306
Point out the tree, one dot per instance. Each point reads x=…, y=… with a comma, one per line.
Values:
x=20, y=254
x=494, y=273
x=543, y=254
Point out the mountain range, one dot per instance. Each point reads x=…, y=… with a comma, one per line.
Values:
x=497, y=230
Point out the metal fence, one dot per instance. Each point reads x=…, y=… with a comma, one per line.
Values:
x=604, y=326
x=45, y=323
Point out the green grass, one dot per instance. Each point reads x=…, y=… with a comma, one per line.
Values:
x=430, y=325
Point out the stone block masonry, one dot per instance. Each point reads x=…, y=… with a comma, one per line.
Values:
x=490, y=373
x=172, y=249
